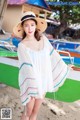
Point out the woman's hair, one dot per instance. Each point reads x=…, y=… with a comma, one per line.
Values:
x=36, y=34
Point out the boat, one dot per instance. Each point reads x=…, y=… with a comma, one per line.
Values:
x=72, y=47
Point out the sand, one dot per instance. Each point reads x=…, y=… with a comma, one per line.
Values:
x=9, y=98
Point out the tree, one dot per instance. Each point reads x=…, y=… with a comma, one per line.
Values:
x=3, y=6
x=69, y=12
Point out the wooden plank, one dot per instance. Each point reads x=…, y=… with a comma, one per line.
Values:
x=72, y=54
x=35, y=9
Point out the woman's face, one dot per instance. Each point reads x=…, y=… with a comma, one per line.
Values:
x=29, y=27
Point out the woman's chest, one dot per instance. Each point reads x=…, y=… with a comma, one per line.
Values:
x=35, y=45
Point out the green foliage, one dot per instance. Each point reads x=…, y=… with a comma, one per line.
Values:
x=69, y=12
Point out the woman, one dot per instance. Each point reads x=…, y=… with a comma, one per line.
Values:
x=41, y=67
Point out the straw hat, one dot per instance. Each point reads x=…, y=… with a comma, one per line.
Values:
x=41, y=24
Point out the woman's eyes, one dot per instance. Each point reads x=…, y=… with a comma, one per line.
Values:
x=29, y=25
x=33, y=25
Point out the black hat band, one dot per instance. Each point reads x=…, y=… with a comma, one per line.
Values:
x=27, y=16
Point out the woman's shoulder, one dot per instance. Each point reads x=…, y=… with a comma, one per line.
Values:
x=43, y=36
x=23, y=43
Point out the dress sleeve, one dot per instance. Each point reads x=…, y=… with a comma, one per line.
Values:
x=60, y=69
x=27, y=79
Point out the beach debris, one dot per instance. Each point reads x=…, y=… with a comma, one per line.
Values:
x=54, y=108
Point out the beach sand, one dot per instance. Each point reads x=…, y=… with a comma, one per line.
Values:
x=9, y=98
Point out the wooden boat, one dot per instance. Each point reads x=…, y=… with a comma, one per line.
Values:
x=72, y=47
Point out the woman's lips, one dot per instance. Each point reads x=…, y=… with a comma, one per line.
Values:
x=30, y=32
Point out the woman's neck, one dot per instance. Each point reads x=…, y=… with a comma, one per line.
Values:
x=30, y=38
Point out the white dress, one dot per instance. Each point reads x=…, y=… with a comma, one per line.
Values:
x=40, y=71
x=42, y=67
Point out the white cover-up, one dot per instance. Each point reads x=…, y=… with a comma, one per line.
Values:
x=40, y=71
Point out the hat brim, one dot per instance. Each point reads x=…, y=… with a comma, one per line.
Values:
x=41, y=26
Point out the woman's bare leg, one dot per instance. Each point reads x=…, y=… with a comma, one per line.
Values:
x=28, y=110
x=36, y=109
